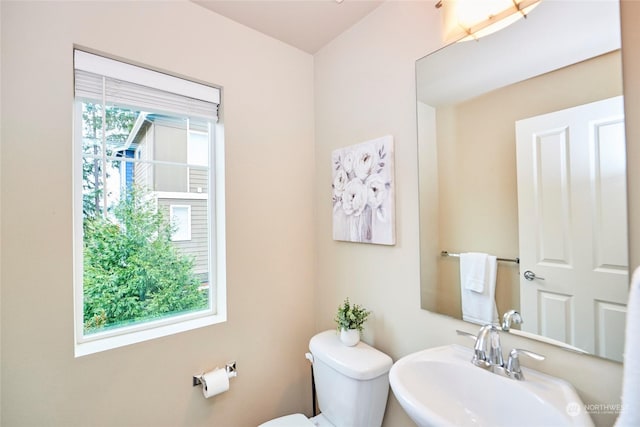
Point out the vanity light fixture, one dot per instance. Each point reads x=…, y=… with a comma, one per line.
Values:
x=464, y=20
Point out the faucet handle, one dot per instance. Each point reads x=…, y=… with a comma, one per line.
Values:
x=513, y=364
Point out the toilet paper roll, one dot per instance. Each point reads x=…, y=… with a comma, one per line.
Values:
x=215, y=382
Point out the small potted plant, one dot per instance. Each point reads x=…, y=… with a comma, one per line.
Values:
x=350, y=319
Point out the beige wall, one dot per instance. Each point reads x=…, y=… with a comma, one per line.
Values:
x=268, y=118
x=364, y=84
x=478, y=186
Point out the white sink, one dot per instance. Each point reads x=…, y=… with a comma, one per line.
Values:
x=440, y=387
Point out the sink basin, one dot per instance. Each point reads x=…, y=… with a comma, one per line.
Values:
x=440, y=387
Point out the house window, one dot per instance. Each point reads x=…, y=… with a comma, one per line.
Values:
x=181, y=221
x=197, y=149
x=198, y=160
x=149, y=205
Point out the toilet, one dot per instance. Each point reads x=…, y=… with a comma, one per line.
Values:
x=352, y=385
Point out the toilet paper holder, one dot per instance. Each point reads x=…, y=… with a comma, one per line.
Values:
x=230, y=368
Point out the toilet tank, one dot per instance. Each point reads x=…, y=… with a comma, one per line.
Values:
x=352, y=383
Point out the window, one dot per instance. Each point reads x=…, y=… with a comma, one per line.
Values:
x=197, y=149
x=149, y=205
x=180, y=216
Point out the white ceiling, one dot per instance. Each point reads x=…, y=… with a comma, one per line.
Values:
x=305, y=24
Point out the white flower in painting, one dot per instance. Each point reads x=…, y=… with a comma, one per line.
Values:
x=354, y=197
x=376, y=190
x=365, y=162
x=339, y=181
x=347, y=161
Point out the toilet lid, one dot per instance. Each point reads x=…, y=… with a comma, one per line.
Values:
x=295, y=420
x=360, y=362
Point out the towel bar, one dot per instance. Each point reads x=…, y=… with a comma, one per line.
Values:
x=516, y=260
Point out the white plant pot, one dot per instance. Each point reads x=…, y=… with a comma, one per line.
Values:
x=350, y=337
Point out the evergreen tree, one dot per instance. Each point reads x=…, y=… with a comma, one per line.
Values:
x=118, y=123
x=132, y=271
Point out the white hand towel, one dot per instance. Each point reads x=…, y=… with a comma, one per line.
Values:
x=479, y=307
x=473, y=271
x=630, y=413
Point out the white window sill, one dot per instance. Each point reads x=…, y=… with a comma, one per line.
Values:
x=97, y=344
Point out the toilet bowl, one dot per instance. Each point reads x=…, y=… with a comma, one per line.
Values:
x=352, y=385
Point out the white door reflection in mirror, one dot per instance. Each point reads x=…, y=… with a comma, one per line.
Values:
x=573, y=225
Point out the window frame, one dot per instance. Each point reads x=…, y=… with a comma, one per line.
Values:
x=139, y=332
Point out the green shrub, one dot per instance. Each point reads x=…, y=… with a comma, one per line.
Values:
x=132, y=271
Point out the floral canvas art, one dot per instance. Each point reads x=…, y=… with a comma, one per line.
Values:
x=363, y=193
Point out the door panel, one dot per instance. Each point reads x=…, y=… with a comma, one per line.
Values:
x=609, y=317
x=555, y=319
x=551, y=183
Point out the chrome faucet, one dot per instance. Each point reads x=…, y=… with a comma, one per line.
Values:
x=511, y=316
x=487, y=352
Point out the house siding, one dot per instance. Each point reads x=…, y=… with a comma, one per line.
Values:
x=143, y=172
x=198, y=180
x=170, y=146
x=197, y=247
x=165, y=142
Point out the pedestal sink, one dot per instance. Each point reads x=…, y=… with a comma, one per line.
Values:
x=440, y=387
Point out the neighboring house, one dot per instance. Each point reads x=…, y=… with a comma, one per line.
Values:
x=170, y=160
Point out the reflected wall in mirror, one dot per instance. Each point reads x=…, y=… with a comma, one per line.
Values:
x=470, y=96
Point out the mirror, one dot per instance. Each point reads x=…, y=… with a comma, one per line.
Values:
x=470, y=95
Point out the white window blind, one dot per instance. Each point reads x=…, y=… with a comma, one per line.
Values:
x=128, y=85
